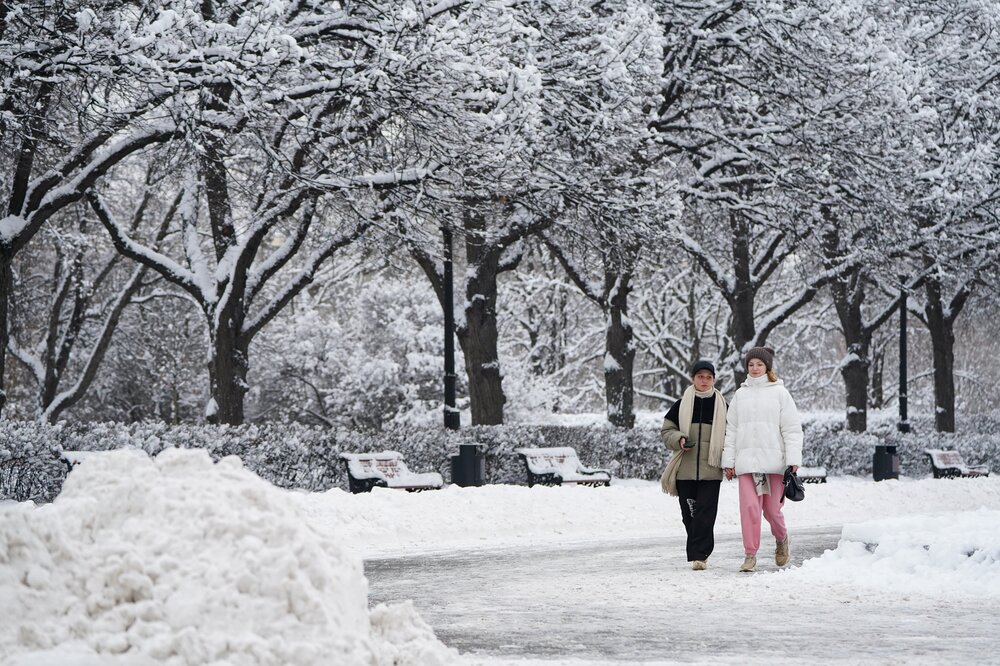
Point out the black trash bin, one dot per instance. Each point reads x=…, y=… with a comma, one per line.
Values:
x=468, y=468
x=885, y=463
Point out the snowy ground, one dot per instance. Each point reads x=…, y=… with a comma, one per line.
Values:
x=635, y=601
x=512, y=575
x=180, y=561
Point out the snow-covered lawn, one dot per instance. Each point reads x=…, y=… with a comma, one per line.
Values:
x=181, y=561
x=389, y=522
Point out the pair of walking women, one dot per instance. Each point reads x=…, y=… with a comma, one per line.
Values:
x=754, y=439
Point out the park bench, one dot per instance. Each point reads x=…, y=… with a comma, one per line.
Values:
x=556, y=466
x=947, y=464
x=385, y=469
x=812, y=474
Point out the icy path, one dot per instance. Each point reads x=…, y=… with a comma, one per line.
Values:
x=637, y=601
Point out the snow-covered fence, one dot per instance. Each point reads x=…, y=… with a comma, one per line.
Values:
x=295, y=456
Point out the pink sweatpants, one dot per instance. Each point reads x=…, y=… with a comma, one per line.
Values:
x=751, y=507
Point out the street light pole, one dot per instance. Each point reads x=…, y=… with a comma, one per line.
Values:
x=885, y=461
x=904, y=423
x=451, y=415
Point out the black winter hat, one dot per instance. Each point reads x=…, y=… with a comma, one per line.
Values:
x=702, y=365
x=765, y=354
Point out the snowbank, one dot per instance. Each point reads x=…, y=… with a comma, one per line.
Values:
x=945, y=554
x=387, y=522
x=181, y=561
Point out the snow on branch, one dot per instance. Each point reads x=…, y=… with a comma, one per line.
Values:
x=707, y=261
x=56, y=198
x=305, y=276
x=203, y=278
x=162, y=264
x=258, y=277
x=70, y=396
x=29, y=360
x=380, y=180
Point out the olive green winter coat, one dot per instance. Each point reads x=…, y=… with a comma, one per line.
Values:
x=694, y=464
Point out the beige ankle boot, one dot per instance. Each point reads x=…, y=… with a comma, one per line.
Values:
x=782, y=553
x=749, y=564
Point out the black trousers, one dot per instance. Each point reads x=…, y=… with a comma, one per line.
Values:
x=699, y=502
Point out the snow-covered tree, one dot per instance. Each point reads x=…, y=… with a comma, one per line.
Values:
x=311, y=114
x=951, y=50
x=585, y=165
x=78, y=296
x=79, y=94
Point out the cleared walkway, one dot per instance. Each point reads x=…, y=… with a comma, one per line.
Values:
x=636, y=601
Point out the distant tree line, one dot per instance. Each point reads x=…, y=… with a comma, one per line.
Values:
x=218, y=205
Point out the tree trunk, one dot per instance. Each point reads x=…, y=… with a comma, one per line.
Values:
x=228, y=373
x=877, y=391
x=848, y=296
x=742, y=329
x=619, y=352
x=478, y=335
x=942, y=329
x=6, y=287
x=855, y=374
x=943, y=341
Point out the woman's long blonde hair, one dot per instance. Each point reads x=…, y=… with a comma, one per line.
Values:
x=771, y=376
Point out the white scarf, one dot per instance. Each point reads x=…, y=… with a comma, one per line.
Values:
x=718, y=438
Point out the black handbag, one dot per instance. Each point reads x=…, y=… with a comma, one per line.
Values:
x=793, y=486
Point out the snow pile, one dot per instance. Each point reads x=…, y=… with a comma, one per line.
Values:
x=181, y=561
x=943, y=554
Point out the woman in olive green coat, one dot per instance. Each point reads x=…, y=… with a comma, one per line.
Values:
x=695, y=429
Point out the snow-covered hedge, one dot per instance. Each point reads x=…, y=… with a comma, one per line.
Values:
x=294, y=456
x=30, y=464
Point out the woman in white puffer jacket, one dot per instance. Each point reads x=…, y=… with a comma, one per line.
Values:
x=763, y=438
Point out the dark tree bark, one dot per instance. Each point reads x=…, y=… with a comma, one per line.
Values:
x=478, y=335
x=228, y=375
x=849, y=291
x=6, y=282
x=742, y=329
x=939, y=316
x=848, y=297
x=619, y=350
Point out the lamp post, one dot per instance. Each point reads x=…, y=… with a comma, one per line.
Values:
x=885, y=462
x=468, y=468
x=451, y=415
x=904, y=423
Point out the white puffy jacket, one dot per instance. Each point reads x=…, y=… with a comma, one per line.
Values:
x=763, y=429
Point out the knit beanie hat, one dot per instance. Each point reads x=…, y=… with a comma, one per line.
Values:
x=702, y=365
x=765, y=354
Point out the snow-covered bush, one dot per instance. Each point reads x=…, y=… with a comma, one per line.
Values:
x=30, y=464
x=363, y=356
x=308, y=457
